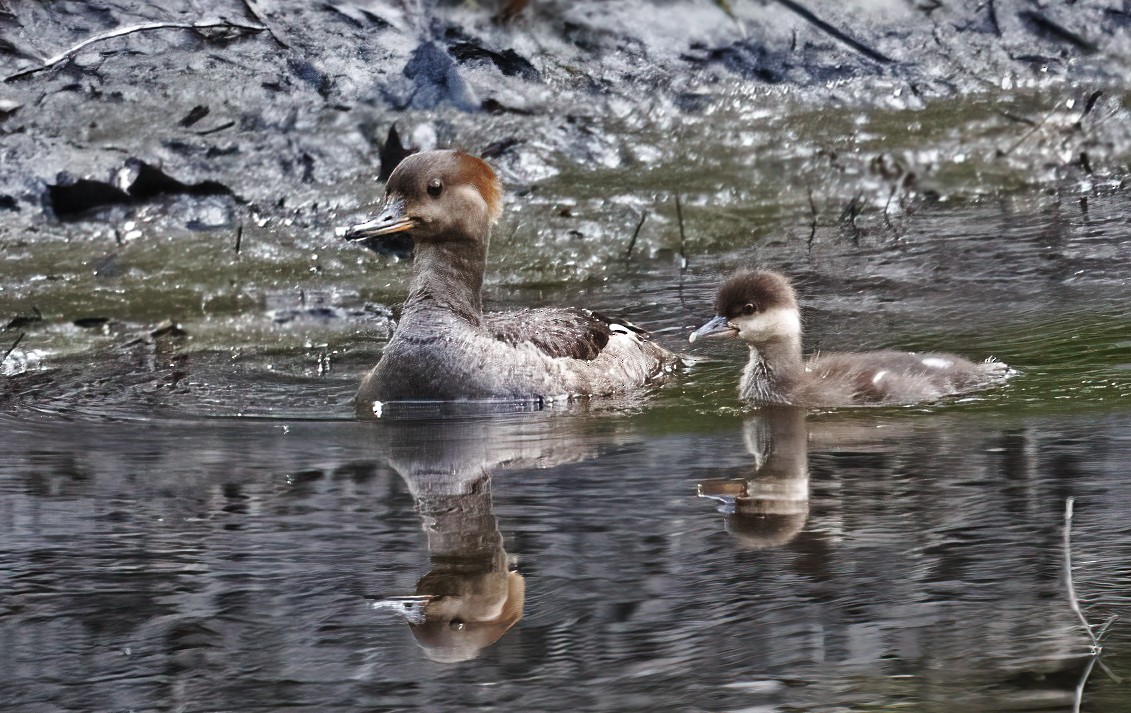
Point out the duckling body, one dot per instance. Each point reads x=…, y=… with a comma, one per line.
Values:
x=761, y=309
x=445, y=347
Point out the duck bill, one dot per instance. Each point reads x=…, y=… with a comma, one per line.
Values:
x=411, y=607
x=717, y=327
x=392, y=219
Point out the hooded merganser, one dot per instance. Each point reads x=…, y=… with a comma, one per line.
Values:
x=761, y=309
x=445, y=348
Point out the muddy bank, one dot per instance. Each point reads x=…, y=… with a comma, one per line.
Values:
x=278, y=104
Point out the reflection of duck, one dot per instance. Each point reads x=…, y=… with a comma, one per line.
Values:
x=471, y=596
x=445, y=347
x=760, y=308
x=770, y=507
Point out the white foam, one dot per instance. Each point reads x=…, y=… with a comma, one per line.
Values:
x=937, y=363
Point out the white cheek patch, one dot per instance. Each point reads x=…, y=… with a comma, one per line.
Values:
x=773, y=323
x=469, y=196
x=937, y=363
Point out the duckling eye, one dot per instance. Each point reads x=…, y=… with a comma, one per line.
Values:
x=749, y=308
x=435, y=187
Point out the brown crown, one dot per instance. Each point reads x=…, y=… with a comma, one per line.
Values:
x=765, y=290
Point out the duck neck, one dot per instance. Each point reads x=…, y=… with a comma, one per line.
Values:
x=447, y=277
x=773, y=372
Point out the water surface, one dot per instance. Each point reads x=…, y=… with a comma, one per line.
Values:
x=190, y=518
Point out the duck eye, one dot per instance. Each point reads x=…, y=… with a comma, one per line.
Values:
x=749, y=308
x=435, y=187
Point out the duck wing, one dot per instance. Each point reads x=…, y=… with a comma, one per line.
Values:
x=572, y=333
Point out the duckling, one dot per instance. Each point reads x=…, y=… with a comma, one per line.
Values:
x=445, y=347
x=760, y=308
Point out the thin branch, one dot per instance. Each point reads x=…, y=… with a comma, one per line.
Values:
x=812, y=223
x=1025, y=137
x=807, y=15
x=130, y=30
x=682, y=236
x=1072, y=601
x=632, y=242
x=1078, y=699
x=13, y=347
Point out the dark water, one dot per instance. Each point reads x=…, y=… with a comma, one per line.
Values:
x=191, y=520
x=907, y=559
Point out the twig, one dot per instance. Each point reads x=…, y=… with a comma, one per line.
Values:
x=682, y=236
x=239, y=238
x=1025, y=137
x=130, y=30
x=850, y=212
x=993, y=17
x=812, y=223
x=216, y=129
x=807, y=14
x=13, y=347
x=895, y=187
x=1074, y=603
x=632, y=242
x=1013, y=117
x=1078, y=699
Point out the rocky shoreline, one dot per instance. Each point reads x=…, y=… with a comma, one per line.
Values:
x=266, y=101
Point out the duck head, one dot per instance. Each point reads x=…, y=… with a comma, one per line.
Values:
x=758, y=307
x=437, y=196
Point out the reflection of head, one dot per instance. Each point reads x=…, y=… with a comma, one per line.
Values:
x=760, y=532
x=770, y=507
x=456, y=628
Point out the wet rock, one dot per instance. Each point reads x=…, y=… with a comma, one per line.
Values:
x=148, y=181
x=509, y=62
x=195, y=114
x=72, y=197
x=436, y=80
x=23, y=320
x=91, y=322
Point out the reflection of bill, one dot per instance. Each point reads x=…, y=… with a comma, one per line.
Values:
x=769, y=508
x=471, y=596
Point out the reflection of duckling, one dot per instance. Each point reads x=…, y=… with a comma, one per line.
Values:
x=770, y=507
x=760, y=308
x=445, y=347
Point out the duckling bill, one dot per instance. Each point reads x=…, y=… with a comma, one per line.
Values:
x=445, y=348
x=760, y=308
